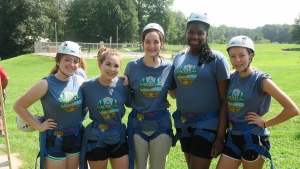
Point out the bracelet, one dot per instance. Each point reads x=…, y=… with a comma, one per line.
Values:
x=264, y=124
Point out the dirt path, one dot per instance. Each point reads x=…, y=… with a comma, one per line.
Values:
x=15, y=161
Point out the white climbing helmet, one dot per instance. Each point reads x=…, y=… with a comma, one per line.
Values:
x=154, y=26
x=242, y=41
x=70, y=48
x=24, y=126
x=201, y=17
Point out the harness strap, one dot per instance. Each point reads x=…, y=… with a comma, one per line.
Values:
x=258, y=148
x=248, y=139
x=152, y=116
x=42, y=152
x=43, y=136
x=83, y=162
x=154, y=135
x=149, y=116
x=230, y=144
x=130, y=140
x=184, y=121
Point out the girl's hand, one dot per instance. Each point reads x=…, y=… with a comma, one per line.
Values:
x=168, y=103
x=125, y=83
x=217, y=148
x=254, y=118
x=49, y=124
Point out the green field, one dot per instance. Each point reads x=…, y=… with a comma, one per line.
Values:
x=283, y=66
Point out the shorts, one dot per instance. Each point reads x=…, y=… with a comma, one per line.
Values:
x=101, y=153
x=59, y=147
x=248, y=155
x=197, y=145
x=60, y=155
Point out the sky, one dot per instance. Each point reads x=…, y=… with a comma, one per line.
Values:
x=242, y=13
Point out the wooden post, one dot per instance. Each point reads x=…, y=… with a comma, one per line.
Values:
x=4, y=125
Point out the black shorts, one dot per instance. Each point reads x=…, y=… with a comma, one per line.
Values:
x=249, y=155
x=197, y=145
x=70, y=144
x=100, y=153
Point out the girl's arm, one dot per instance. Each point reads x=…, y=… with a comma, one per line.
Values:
x=289, y=107
x=29, y=98
x=223, y=114
x=172, y=93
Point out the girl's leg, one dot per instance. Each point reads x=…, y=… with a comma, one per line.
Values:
x=257, y=164
x=199, y=163
x=188, y=159
x=140, y=152
x=72, y=161
x=159, y=150
x=120, y=163
x=100, y=164
x=226, y=162
x=61, y=164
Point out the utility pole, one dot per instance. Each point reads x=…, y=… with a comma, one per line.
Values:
x=55, y=35
x=117, y=39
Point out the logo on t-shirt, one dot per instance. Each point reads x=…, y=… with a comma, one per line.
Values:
x=235, y=100
x=69, y=101
x=186, y=74
x=150, y=86
x=108, y=108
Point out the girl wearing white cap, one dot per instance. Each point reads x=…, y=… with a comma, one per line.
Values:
x=249, y=97
x=201, y=77
x=149, y=123
x=61, y=130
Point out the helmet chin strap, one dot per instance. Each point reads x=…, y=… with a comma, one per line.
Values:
x=155, y=57
x=245, y=70
x=63, y=73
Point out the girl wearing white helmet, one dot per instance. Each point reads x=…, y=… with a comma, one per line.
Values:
x=105, y=96
x=149, y=123
x=61, y=132
x=201, y=78
x=249, y=97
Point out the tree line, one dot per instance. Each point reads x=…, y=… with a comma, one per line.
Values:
x=22, y=22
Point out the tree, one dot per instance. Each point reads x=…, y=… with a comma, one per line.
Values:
x=220, y=32
x=177, y=28
x=22, y=23
x=295, y=32
x=94, y=20
x=55, y=10
x=157, y=11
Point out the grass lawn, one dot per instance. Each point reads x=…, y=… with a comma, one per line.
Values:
x=283, y=66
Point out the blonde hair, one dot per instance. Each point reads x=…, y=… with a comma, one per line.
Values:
x=104, y=52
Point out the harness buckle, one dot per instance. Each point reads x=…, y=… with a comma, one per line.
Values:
x=183, y=119
x=58, y=133
x=140, y=116
x=103, y=127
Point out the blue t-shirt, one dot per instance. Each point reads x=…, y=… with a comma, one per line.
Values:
x=246, y=95
x=105, y=103
x=63, y=102
x=197, y=86
x=149, y=85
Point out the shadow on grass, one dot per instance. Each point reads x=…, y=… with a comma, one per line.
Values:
x=290, y=49
x=298, y=136
x=295, y=49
